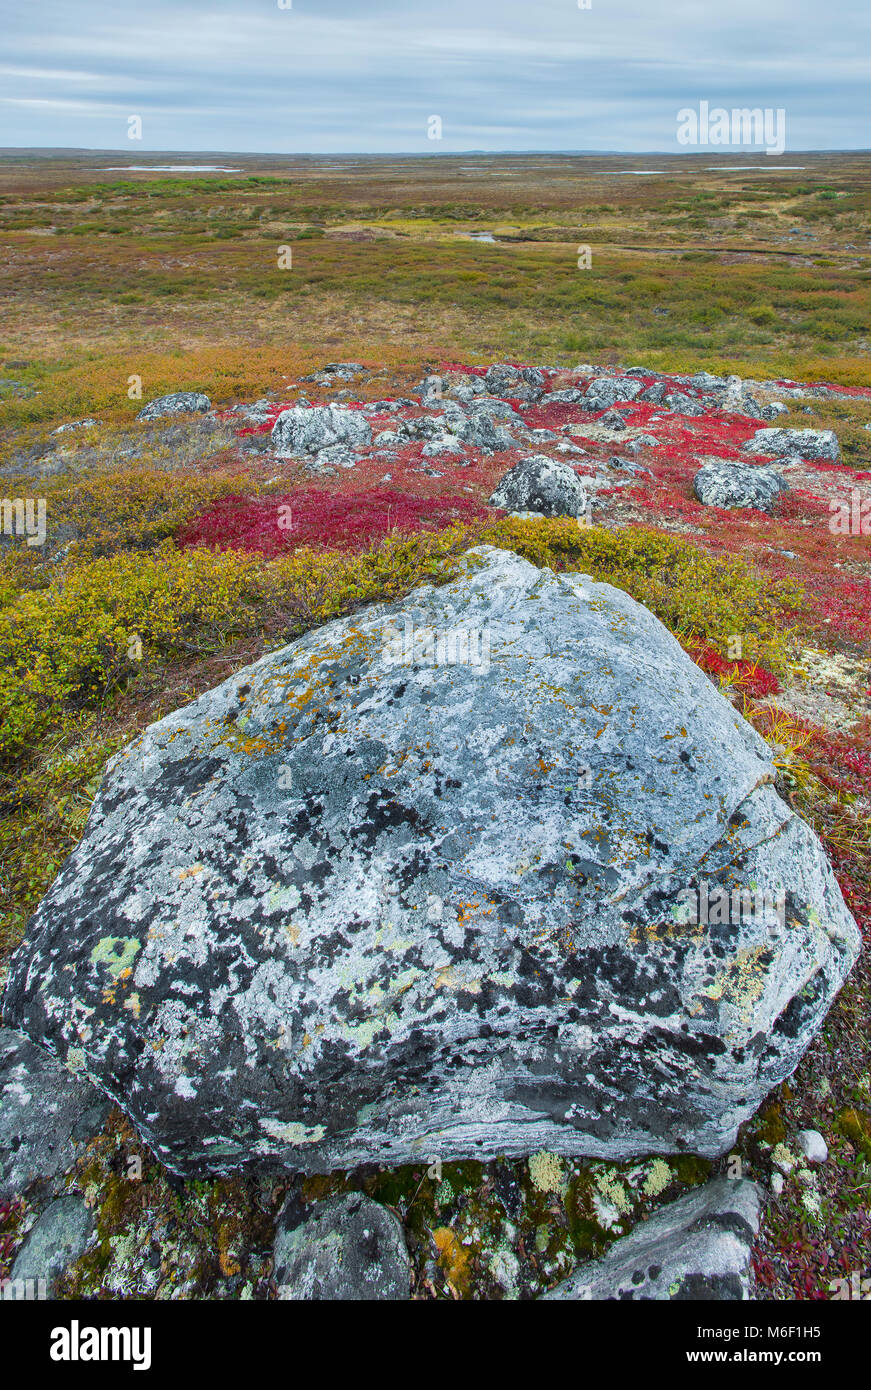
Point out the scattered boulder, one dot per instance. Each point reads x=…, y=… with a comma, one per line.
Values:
x=300, y=430
x=333, y=457
x=608, y=390
x=345, y=371
x=520, y=383
x=481, y=432
x=696, y=1249
x=442, y=444
x=543, y=485
x=383, y=894
x=345, y=1248
x=75, y=425
x=431, y=390
x=61, y=1234
x=679, y=403
x=806, y=444
x=178, y=403
x=728, y=483
x=45, y=1115
x=641, y=441
x=569, y=395
x=613, y=420
x=626, y=465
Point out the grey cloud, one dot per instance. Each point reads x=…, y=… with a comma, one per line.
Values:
x=331, y=75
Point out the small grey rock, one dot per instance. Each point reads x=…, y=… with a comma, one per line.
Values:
x=179, y=403
x=812, y=1145
x=613, y=420
x=346, y=1248
x=75, y=425
x=60, y=1235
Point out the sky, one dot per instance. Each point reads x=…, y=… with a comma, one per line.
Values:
x=368, y=76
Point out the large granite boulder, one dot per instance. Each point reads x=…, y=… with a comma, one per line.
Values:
x=306, y=430
x=436, y=880
x=698, y=1248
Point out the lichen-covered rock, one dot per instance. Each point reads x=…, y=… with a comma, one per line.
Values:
x=417, y=885
x=178, y=403
x=541, y=484
x=300, y=430
x=727, y=483
x=61, y=1234
x=679, y=403
x=502, y=377
x=75, y=425
x=520, y=383
x=806, y=444
x=46, y=1114
x=606, y=391
x=481, y=432
x=697, y=1248
x=345, y=1248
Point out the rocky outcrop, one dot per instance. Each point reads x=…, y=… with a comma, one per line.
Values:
x=727, y=483
x=488, y=870
x=697, y=1248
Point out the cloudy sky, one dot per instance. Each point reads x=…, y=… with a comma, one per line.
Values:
x=367, y=75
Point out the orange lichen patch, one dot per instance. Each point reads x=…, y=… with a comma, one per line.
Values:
x=454, y=1259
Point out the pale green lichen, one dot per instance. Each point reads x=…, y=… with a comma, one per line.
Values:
x=613, y=1191
x=117, y=953
x=546, y=1171
x=658, y=1178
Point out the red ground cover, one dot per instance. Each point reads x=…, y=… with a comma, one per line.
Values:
x=320, y=519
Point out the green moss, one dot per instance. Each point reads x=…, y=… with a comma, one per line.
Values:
x=855, y=1125
x=769, y=1127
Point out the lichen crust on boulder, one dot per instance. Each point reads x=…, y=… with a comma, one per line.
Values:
x=376, y=898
